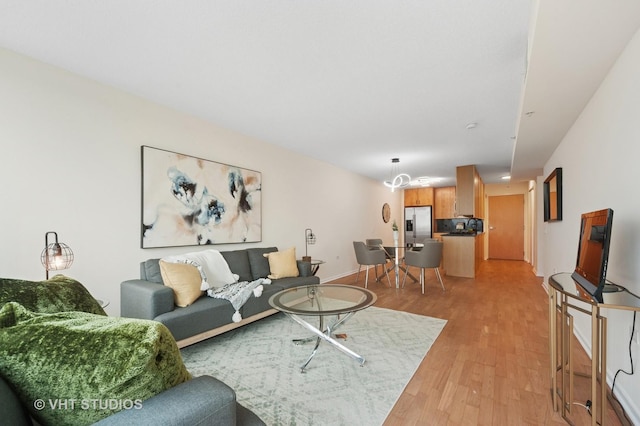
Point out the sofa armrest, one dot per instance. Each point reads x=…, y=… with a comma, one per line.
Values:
x=145, y=299
x=203, y=400
x=11, y=410
x=304, y=268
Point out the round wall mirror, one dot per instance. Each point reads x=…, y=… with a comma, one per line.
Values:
x=386, y=212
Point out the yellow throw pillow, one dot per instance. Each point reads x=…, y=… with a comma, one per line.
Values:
x=282, y=264
x=184, y=279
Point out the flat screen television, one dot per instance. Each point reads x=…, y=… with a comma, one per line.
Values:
x=593, y=252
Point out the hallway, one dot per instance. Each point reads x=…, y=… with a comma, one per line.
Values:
x=490, y=365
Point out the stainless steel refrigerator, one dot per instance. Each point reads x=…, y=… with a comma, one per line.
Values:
x=417, y=224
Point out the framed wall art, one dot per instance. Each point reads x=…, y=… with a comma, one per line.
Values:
x=552, y=196
x=188, y=201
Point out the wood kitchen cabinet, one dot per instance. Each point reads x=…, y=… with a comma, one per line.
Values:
x=444, y=202
x=462, y=255
x=415, y=197
x=469, y=192
x=479, y=253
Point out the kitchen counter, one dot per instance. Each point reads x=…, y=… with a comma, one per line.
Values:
x=461, y=256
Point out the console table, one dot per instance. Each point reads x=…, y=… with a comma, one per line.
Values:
x=565, y=294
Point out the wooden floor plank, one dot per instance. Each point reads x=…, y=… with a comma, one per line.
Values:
x=490, y=364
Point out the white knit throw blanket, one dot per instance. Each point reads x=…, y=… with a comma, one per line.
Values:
x=238, y=294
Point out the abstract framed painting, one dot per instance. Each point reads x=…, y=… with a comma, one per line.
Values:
x=188, y=201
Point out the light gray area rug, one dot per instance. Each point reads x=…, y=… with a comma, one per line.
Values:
x=262, y=364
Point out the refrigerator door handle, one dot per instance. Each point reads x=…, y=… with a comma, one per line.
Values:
x=414, y=228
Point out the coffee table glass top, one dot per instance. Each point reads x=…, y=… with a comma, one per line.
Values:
x=323, y=299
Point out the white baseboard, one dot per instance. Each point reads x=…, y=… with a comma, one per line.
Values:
x=337, y=277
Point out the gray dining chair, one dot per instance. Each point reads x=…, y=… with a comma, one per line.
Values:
x=427, y=257
x=369, y=257
x=376, y=243
x=373, y=243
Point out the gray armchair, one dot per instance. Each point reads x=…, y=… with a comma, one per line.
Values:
x=369, y=257
x=376, y=243
x=429, y=256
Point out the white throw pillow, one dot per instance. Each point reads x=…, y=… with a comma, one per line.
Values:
x=213, y=268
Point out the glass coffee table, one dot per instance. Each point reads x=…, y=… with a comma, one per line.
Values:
x=325, y=300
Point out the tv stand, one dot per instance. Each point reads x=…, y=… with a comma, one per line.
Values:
x=564, y=292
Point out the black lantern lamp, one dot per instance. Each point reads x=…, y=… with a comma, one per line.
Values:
x=309, y=238
x=55, y=256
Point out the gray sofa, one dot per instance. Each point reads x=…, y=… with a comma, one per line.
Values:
x=199, y=401
x=148, y=298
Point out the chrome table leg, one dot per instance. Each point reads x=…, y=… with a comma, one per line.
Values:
x=326, y=337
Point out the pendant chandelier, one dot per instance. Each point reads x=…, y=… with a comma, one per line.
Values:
x=397, y=180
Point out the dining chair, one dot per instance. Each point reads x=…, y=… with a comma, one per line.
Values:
x=376, y=243
x=369, y=257
x=427, y=257
x=373, y=243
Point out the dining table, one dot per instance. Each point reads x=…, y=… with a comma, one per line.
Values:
x=393, y=253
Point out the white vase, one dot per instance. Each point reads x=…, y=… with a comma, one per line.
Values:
x=396, y=235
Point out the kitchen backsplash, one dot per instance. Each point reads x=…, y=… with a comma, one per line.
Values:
x=450, y=225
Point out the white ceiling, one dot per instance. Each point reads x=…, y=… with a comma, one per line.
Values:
x=573, y=46
x=353, y=83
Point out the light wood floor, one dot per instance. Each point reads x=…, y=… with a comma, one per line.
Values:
x=490, y=364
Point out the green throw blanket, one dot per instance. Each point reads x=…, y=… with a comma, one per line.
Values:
x=57, y=294
x=75, y=368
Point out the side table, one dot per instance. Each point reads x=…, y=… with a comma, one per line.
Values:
x=103, y=303
x=565, y=294
x=315, y=265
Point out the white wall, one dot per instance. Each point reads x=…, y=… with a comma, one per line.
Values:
x=70, y=152
x=600, y=164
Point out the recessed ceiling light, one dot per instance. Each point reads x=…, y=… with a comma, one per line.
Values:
x=507, y=177
x=472, y=125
